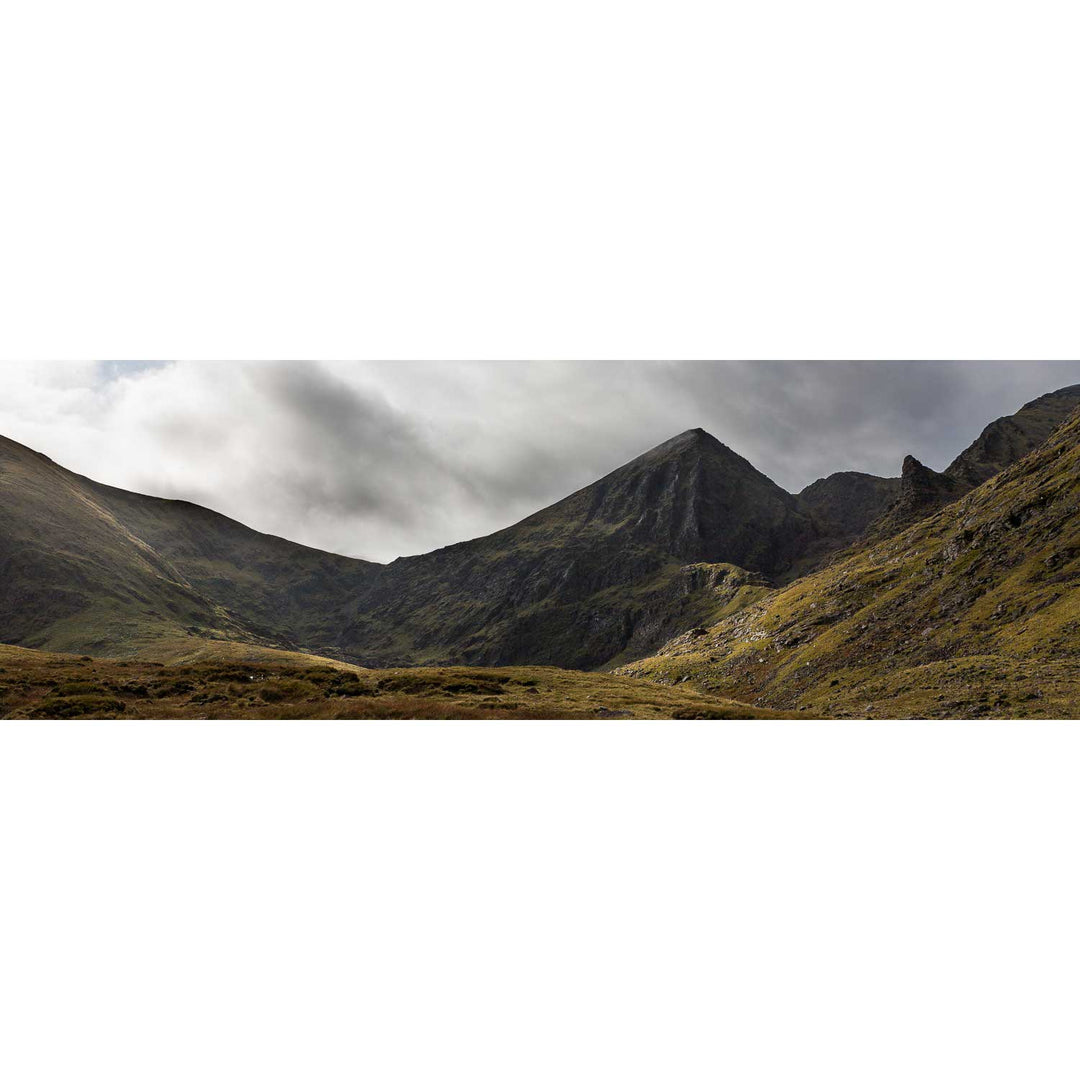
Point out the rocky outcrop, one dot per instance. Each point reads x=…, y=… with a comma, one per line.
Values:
x=922, y=492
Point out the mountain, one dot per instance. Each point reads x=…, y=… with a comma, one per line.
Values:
x=974, y=610
x=842, y=507
x=1009, y=438
x=921, y=492
x=685, y=535
x=687, y=529
x=71, y=573
x=89, y=568
x=845, y=503
x=280, y=590
x=682, y=533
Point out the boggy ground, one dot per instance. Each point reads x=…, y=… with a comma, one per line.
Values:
x=39, y=685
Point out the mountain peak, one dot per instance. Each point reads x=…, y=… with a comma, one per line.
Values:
x=691, y=498
x=922, y=492
x=691, y=438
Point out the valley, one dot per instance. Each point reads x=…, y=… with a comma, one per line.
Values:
x=685, y=572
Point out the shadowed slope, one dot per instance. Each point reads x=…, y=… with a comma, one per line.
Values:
x=845, y=503
x=1009, y=438
x=596, y=576
x=94, y=569
x=289, y=591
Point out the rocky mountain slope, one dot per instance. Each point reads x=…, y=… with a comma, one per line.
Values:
x=1009, y=438
x=1003, y=442
x=609, y=572
x=845, y=503
x=842, y=507
x=612, y=570
x=920, y=493
x=972, y=611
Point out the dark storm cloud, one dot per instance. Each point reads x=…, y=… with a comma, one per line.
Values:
x=796, y=421
x=354, y=454
x=387, y=459
x=799, y=421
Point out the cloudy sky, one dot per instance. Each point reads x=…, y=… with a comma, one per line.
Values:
x=384, y=459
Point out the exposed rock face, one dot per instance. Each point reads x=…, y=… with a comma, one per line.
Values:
x=845, y=503
x=922, y=492
x=842, y=507
x=691, y=497
x=577, y=583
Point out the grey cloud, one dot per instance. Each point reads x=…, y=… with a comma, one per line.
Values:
x=380, y=460
x=352, y=452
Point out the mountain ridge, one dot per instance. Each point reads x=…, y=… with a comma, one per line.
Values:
x=680, y=536
x=972, y=610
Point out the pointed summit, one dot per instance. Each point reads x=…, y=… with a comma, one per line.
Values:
x=691, y=437
x=922, y=492
x=692, y=444
x=607, y=572
x=692, y=498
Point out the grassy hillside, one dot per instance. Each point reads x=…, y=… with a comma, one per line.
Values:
x=74, y=577
x=974, y=611
x=288, y=686
x=89, y=568
x=286, y=592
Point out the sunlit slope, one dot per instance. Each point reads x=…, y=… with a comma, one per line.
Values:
x=973, y=611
